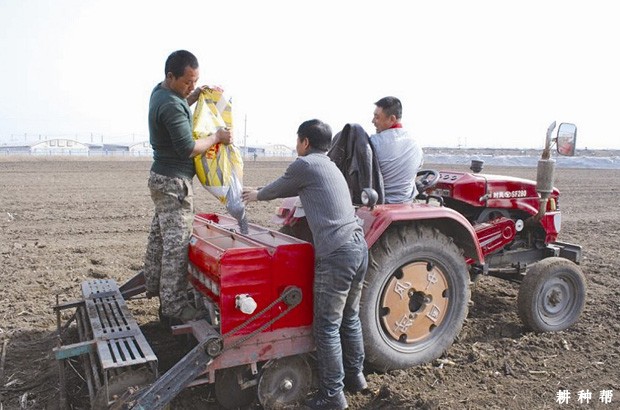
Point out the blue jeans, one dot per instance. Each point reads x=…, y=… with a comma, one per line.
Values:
x=338, y=279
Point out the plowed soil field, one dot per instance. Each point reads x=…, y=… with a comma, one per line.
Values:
x=64, y=221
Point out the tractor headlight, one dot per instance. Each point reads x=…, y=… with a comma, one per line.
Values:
x=369, y=197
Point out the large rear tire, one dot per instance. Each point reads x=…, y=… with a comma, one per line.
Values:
x=299, y=230
x=552, y=295
x=416, y=297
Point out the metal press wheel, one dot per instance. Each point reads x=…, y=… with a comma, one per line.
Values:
x=284, y=382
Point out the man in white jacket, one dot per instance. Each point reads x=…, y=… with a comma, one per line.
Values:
x=400, y=156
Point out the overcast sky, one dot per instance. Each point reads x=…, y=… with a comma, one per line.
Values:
x=469, y=73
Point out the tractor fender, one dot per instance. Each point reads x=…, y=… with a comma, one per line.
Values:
x=451, y=223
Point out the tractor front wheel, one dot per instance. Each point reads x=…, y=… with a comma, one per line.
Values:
x=415, y=299
x=552, y=295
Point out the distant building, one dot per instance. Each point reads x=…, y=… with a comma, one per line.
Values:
x=56, y=146
x=253, y=150
x=14, y=149
x=59, y=146
x=279, y=150
x=107, y=149
x=67, y=146
x=141, y=149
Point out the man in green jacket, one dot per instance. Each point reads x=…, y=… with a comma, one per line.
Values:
x=170, y=183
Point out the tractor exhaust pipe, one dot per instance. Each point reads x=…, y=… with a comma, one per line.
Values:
x=476, y=165
x=545, y=175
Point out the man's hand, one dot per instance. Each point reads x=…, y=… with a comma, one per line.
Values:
x=224, y=135
x=193, y=97
x=249, y=195
x=212, y=87
x=202, y=145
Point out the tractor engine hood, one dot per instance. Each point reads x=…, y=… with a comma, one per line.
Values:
x=493, y=191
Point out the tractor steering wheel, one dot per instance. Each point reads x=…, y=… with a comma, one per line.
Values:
x=425, y=179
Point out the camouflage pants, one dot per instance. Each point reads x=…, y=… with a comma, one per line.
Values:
x=165, y=263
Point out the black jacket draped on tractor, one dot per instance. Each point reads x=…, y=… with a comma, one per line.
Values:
x=352, y=152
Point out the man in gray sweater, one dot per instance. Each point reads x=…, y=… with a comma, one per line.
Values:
x=341, y=259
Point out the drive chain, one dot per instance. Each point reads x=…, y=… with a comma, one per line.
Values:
x=291, y=296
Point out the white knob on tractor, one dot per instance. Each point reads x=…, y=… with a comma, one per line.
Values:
x=245, y=303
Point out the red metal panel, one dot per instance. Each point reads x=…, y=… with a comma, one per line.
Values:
x=551, y=222
x=377, y=220
x=492, y=191
x=261, y=264
x=495, y=234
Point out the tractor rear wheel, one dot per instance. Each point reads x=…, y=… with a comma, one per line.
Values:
x=415, y=299
x=299, y=230
x=552, y=295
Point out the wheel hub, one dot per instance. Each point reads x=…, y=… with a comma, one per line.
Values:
x=414, y=302
x=284, y=381
x=555, y=297
x=286, y=385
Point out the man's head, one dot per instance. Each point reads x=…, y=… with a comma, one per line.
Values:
x=387, y=113
x=313, y=135
x=181, y=72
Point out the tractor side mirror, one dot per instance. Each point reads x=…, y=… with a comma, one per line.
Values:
x=566, y=139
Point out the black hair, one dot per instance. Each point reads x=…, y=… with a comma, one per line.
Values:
x=318, y=133
x=391, y=106
x=178, y=61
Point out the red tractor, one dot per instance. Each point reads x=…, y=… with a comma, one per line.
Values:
x=423, y=256
x=257, y=288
